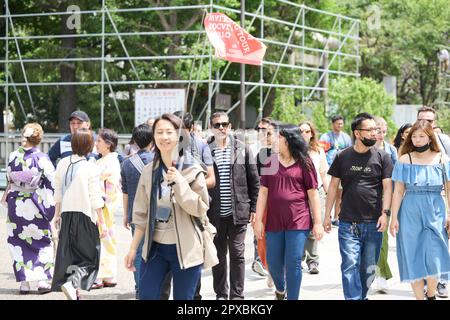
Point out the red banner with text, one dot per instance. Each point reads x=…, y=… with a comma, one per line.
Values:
x=232, y=42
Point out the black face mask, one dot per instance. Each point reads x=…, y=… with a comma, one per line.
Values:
x=368, y=142
x=422, y=148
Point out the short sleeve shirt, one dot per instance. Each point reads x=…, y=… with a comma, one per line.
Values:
x=362, y=177
x=288, y=207
x=333, y=143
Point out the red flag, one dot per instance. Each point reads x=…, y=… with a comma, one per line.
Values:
x=232, y=42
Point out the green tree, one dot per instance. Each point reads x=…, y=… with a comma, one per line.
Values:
x=352, y=96
x=404, y=45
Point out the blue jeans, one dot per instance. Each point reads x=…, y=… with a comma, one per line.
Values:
x=360, y=245
x=137, y=260
x=284, y=258
x=162, y=259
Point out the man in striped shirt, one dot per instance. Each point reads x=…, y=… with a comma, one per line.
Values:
x=233, y=204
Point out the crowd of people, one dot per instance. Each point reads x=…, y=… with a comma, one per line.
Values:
x=176, y=185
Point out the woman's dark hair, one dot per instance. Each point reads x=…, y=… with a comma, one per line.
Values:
x=142, y=135
x=82, y=142
x=188, y=120
x=110, y=137
x=398, y=137
x=297, y=146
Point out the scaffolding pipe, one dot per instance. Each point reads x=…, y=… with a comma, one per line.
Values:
x=261, y=72
x=278, y=21
x=94, y=12
x=242, y=105
x=96, y=83
x=21, y=64
x=329, y=64
x=115, y=101
x=6, y=117
x=109, y=59
x=282, y=57
x=122, y=43
x=102, y=97
x=88, y=35
x=18, y=96
x=239, y=101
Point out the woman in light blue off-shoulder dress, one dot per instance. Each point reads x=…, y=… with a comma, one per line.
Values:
x=418, y=211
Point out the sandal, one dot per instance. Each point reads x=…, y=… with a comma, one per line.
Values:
x=44, y=287
x=109, y=284
x=97, y=285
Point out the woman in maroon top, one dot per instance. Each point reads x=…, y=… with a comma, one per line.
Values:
x=288, y=195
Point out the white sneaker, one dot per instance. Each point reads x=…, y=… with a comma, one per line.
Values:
x=258, y=268
x=270, y=283
x=69, y=291
x=381, y=285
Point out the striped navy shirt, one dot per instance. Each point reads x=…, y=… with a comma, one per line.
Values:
x=223, y=161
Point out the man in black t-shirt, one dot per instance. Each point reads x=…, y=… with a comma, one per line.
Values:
x=365, y=174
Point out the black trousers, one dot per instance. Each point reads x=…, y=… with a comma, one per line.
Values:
x=230, y=237
x=78, y=253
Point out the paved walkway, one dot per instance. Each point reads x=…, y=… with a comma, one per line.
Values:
x=326, y=285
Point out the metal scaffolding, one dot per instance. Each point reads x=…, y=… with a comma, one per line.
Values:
x=293, y=54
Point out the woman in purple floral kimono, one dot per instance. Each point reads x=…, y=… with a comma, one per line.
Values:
x=31, y=208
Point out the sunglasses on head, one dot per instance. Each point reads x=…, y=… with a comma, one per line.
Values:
x=220, y=124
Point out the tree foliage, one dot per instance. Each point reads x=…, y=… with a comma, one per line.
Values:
x=405, y=47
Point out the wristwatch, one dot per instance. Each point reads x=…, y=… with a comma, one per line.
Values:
x=387, y=212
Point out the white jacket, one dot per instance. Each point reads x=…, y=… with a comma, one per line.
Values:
x=84, y=193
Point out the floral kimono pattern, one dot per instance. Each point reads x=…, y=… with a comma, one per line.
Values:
x=110, y=184
x=31, y=208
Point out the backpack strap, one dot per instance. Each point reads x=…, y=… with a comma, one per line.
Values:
x=332, y=141
x=137, y=162
x=410, y=159
x=73, y=167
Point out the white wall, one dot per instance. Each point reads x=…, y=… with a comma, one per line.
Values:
x=404, y=113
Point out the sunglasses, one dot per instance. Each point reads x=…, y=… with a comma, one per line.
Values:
x=220, y=124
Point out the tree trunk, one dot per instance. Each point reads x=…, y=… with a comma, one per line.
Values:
x=67, y=94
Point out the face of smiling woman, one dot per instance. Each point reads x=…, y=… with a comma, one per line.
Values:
x=166, y=136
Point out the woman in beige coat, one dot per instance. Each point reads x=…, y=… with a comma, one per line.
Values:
x=170, y=200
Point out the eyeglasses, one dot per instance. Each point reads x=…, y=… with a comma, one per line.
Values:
x=429, y=120
x=369, y=129
x=261, y=129
x=220, y=124
x=306, y=131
